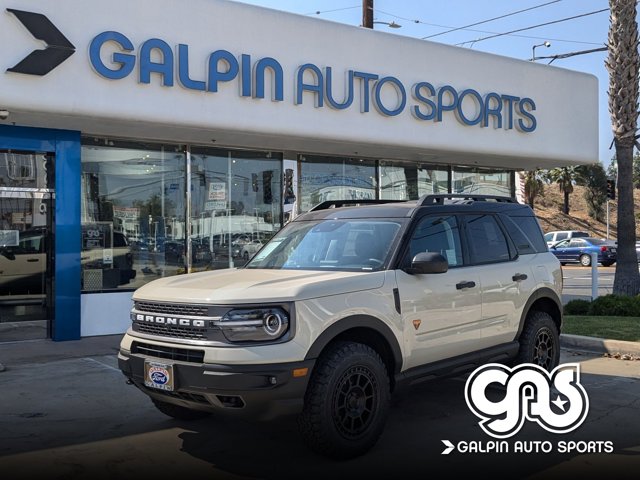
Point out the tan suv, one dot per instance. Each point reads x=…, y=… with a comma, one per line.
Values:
x=342, y=307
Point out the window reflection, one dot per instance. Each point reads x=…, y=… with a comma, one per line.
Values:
x=335, y=178
x=409, y=181
x=482, y=181
x=235, y=204
x=133, y=223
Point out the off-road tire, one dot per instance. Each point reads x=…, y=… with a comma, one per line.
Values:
x=539, y=341
x=585, y=260
x=178, y=412
x=347, y=401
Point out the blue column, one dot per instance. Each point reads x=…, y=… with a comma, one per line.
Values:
x=67, y=231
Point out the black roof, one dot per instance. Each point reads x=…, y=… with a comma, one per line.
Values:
x=403, y=209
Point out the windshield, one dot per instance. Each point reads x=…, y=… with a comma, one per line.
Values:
x=360, y=245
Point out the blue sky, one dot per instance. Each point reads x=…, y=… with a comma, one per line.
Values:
x=422, y=18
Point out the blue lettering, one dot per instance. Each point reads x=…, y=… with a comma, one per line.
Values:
x=510, y=99
x=245, y=90
x=276, y=80
x=478, y=102
x=364, y=88
x=164, y=68
x=315, y=88
x=417, y=94
x=329, y=90
x=216, y=75
x=183, y=70
x=401, y=92
x=125, y=61
x=441, y=106
x=532, y=120
x=494, y=112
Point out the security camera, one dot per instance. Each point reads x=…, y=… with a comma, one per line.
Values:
x=4, y=114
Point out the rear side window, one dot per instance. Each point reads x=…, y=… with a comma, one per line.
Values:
x=487, y=243
x=526, y=234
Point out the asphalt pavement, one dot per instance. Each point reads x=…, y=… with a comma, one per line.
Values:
x=66, y=412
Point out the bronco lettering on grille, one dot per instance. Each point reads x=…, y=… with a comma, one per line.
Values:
x=183, y=322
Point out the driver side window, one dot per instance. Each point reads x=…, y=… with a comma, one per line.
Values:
x=440, y=234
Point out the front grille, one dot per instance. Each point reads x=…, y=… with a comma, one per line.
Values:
x=192, y=397
x=171, y=309
x=171, y=353
x=171, y=331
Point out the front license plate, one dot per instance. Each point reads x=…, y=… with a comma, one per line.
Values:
x=158, y=375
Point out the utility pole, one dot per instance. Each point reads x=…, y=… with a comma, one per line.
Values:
x=367, y=13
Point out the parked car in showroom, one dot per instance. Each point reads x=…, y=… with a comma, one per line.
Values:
x=22, y=266
x=578, y=250
x=556, y=236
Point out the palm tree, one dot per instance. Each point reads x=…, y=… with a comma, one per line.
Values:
x=623, y=64
x=565, y=177
x=533, y=186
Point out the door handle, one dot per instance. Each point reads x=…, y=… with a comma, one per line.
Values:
x=462, y=285
x=33, y=260
x=518, y=277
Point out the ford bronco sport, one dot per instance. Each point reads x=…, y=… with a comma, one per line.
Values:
x=342, y=307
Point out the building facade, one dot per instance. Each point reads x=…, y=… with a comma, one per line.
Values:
x=152, y=138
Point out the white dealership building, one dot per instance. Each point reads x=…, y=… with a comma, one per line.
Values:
x=146, y=138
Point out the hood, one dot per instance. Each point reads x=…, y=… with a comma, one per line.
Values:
x=237, y=286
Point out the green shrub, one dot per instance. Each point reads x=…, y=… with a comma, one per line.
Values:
x=615, y=305
x=577, y=307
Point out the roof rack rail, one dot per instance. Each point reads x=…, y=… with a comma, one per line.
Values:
x=349, y=203
x=438, y=199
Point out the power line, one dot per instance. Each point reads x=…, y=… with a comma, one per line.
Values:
x=534, y=26
x=571, y=54
x=485, y=31
x=334, y=10
x=490, y=19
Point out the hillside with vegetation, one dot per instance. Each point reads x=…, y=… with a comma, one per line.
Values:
x=548, y=207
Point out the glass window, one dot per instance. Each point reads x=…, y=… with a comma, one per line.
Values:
x=235, y=205
x=26, y=170
x=487, y=243
x=577, y=243
x=548, y=237
x=439, y=234
x=360, y=245
x=526, y=234
x=561, y=236
x=335, y=178
x=133, y=204
x=482, y=181
x=406, y=181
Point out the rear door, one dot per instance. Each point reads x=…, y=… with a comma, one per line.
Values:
x=505, y=280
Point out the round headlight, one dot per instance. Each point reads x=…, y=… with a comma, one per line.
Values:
x=273, y=325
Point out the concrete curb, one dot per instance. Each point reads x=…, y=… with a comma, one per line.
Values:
x=599, y=345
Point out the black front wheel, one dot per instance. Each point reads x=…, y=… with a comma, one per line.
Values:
x=347, y=401
x=539, y=341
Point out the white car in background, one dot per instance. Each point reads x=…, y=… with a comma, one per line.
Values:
x=250, y=249
x=556, y=236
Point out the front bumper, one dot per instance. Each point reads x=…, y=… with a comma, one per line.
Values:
x=260, y=392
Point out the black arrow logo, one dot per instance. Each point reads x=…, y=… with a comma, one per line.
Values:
x=41, y=62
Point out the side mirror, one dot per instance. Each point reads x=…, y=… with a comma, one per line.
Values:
x=428, y=262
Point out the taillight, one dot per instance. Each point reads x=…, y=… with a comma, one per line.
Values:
x=603, y=249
